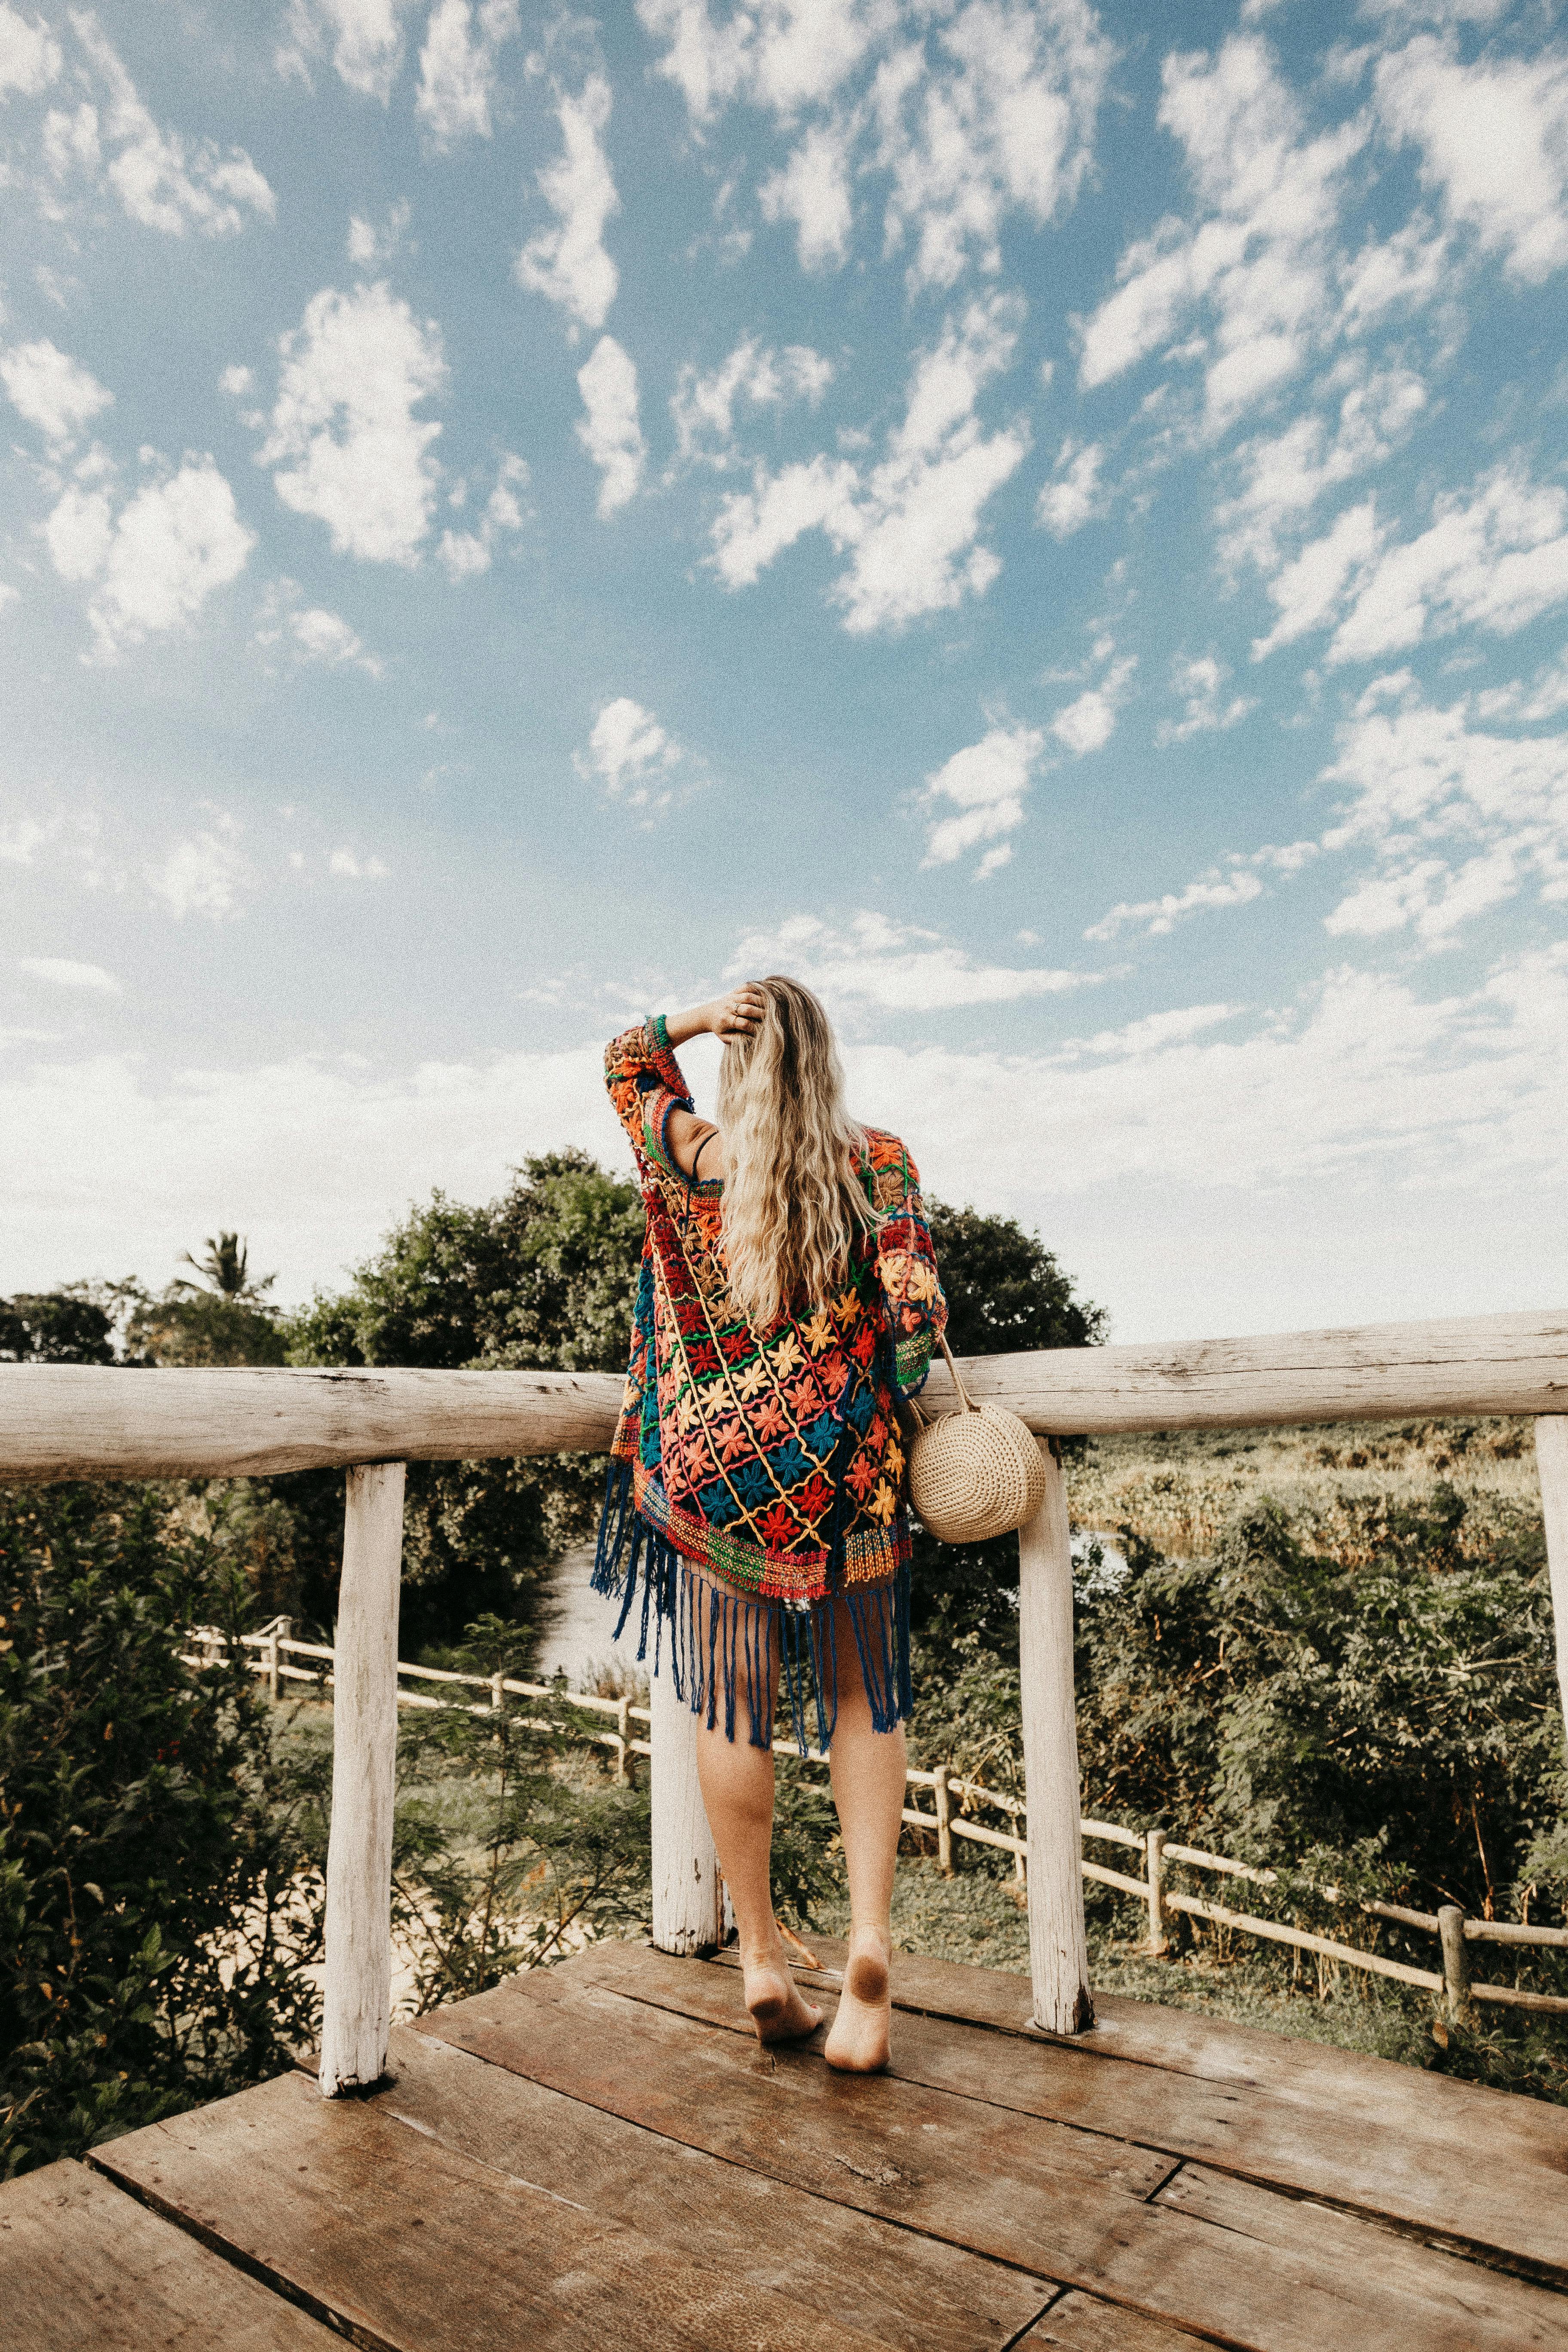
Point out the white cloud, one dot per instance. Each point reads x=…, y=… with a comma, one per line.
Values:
x=632, y=756
x=343, y=438
x=891, y=965
x=1076, y=496
x=568, y=264
x=311, y=631
x=987, y=783
x=971, y=113
x=1257, y=258
x=370, y=247
x=236, y=381
x=29, y=53
x=610, y=431
x=468, y=552
x=1494, y=558
x=1201, y=683
x=8, y=595
x=58, y=971
x=909, y=524
x=1493, y=137
x=1545, y=697
x=457, y=67
x=814, y=191
x=347, y=866
x=50, y=390
x=1308, y=590
x=172, y=545
x=1236, y=883
x=160, y=180
x=780, y=56
x=1458, y=818
x=1001, y=121
x=703, y=406
x=365, y=36
x=201, y=876
x=1284, y=475
x=1088, y=723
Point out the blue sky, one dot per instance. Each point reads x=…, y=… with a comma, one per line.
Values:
x=1053, y=529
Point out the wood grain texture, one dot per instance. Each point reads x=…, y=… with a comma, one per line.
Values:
x=1551, y=1466
x=688, y=1899
x=66, y=1420
x=1377, y=1371
x=407, y=2244
x=85, y=2268
x=1433, y=2184
x=1079, y=2323
x=1059, y=1949
x=851, y=2269
x=1027, y=2192
x=90, y=1421
x=357, y=1992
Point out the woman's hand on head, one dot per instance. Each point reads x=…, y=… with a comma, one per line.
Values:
x=740, y=1013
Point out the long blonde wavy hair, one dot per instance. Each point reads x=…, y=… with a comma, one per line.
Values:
x=793, y=1199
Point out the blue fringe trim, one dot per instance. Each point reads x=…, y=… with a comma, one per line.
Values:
x=722, y=1650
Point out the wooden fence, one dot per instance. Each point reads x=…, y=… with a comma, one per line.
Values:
x=69, y=1421
x=273, y=1648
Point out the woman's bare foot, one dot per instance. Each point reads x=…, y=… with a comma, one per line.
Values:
x=773, y=1999
x=858, y=2041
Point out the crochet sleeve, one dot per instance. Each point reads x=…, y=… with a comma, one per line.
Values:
x=906, y=1265
x=646, y=1085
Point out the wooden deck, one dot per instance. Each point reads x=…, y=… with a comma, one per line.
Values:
x=599, y=2157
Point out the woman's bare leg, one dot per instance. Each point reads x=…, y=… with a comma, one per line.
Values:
x=737, y=1781
x=868, y=1768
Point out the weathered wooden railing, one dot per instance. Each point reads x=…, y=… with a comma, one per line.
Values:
x=69, y=1421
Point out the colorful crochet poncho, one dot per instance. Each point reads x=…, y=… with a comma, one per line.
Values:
x=770, y=1462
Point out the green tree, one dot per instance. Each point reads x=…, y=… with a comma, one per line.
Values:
x=56, y=1326
x=147, y=1847
x=225, y=1318
x=541, y=1277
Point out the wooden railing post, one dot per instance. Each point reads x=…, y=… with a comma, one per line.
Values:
x=1455, y=1963
x=270, y=1655
x=688, y=1914
x=356, y=2019
x=1155, y=1864
x=1551, y=1466
x=1059, y=1949
x=623, y=1743
x=943, y=1795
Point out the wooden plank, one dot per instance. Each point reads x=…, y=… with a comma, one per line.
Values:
x=782, y=2111
x=106, y=1421
x=1296, y=2241
x=85, y=2268
x=1433, y=2184
x=1354, y=2087
x=409, y=2245
x=1059, y=1952
x=68, y=1421
x=357, y=1993
x=1078, y=2322
x=850, y=2268
x=1377, y=1371
x=1058, y=2203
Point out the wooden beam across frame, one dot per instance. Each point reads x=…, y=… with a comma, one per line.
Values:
x=77, y=1421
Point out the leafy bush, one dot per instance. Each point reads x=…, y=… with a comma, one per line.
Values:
x=148, y=1959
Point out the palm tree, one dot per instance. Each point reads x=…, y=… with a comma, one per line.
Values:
x=225, y=1269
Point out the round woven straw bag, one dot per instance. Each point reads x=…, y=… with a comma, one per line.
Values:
x=976, y=1473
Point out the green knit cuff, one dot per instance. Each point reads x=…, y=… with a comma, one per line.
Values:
x=657, y=1031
